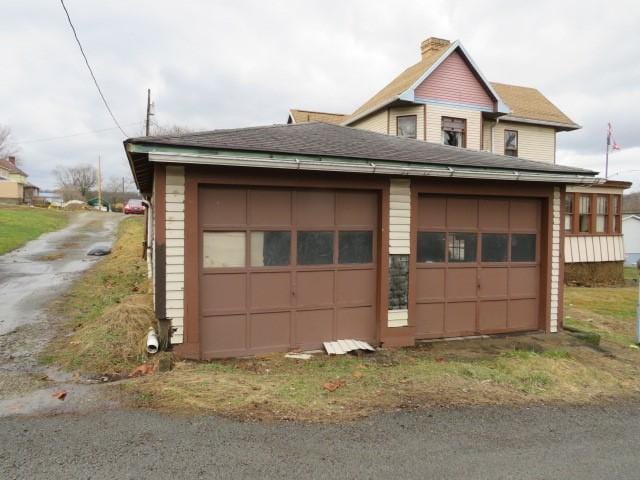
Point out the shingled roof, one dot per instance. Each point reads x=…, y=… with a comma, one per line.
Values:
x=6, y=164
x=302, y=116
x=327, y=140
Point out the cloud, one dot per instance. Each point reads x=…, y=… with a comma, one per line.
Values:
x=246, y=62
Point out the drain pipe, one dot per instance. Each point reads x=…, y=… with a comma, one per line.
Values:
x=148, y=238
x=152, y=341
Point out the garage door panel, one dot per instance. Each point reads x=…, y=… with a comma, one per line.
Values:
x=356, y=209
x=493, y=215
x=223, y=206
x=356, y=287
x=524, y=281
x=432, y=212
x=492, y=315
x=314, y=288
x=357, y=323
x=270, y=290
x=223, y=333
x=269, y=208
x=460, y=318
x=430, y=319
x=494, y=282
x=314, y=208
x=224, y=292
x=524, y=214
x=431, y=283
x=524, y=314
x=270, y=330
x=462, y=213
x=312, y=327
x=461, y=283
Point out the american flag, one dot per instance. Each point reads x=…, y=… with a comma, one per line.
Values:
x=611, y=142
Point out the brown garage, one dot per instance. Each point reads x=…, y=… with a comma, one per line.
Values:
x=478, y=265
x=279, y=238
x=285, y=269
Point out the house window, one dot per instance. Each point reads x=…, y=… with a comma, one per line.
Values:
x=602, y=209
x=453, y=131
x=568, y=212
x=585, y=214
x=407, y=126
x=617, y=225
x=511, y=143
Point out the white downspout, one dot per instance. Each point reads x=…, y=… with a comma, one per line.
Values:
x=149, y=246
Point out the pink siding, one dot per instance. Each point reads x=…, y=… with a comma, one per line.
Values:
x=453, y=81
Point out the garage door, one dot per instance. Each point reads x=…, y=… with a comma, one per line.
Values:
x=285, y=268
x=478, y=266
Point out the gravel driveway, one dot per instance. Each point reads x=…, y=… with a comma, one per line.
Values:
x=481, y=443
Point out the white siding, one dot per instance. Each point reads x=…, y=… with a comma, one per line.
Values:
x=174, y=231
x=631, y=232
x=594, y=248
x=534, y=142
x=555, y=261
x=434, y=123
x=399, y=234
x=375, y=123
x=398, y=318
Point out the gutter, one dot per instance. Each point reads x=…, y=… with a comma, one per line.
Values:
x=372, y=168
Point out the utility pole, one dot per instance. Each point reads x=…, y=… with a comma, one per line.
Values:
x=122, y=184
x=148, y=112
x=99, y=184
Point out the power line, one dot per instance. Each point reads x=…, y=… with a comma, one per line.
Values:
x=47, y=139
x=86, y=60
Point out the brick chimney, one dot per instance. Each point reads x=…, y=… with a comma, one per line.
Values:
x=433, y=44
x=12, y=160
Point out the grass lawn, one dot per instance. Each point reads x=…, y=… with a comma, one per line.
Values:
x=20, y=224
x=110, y=310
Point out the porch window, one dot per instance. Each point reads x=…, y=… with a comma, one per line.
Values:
x=585, y=214
x=617, y=224
x=407, y=126
x=453, y=131
x=568, y=212
x=602, y=209
x=511, y=143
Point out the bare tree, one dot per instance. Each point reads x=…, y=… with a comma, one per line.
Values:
x=81, y=177
x=7, y=147
x=170, y=130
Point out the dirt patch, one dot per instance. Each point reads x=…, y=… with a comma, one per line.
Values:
x=50, y=257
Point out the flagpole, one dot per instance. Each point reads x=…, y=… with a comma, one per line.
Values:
x=606, y=162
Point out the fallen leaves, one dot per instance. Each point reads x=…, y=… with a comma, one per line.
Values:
x=141, y=370
x=333, y=385
x=59, y=394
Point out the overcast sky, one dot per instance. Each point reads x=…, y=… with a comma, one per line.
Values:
x=221, y=64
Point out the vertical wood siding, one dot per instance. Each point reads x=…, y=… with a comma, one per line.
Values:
x=534, y=142
x=454, y=81
x=434, y=123
x=555, y=261
x=593, y=248
x=399, y=234
x=174, y=200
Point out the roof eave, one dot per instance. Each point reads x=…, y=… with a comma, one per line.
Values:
x=557, y=125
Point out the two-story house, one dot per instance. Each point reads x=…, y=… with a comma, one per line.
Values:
x=445, y=98
x=14, y=186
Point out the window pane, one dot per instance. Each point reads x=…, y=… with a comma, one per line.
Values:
x=585, y=204
x=510, y=140
x=223, y=249
x=600, y=223
x=568, y=203
x=270, y=249
x=462, y=247
x=523, y=247
x=616, y=204
x=585, y=222
x=451, y=138
x=407, y=126
x=355, y=247
x=494, y=247
x=601, y=205
x=568, y=223
x=315, y=248
x=431, y=247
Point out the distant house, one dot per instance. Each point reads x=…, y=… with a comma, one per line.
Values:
x=631, y=232
x=14, y=187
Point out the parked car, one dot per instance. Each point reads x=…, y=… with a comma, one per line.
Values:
x=134, y=206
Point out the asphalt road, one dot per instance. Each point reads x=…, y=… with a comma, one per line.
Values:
x=479, y=443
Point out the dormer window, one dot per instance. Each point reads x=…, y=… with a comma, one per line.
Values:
x=511, y=143
x=407, y=126
x=453, y=131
